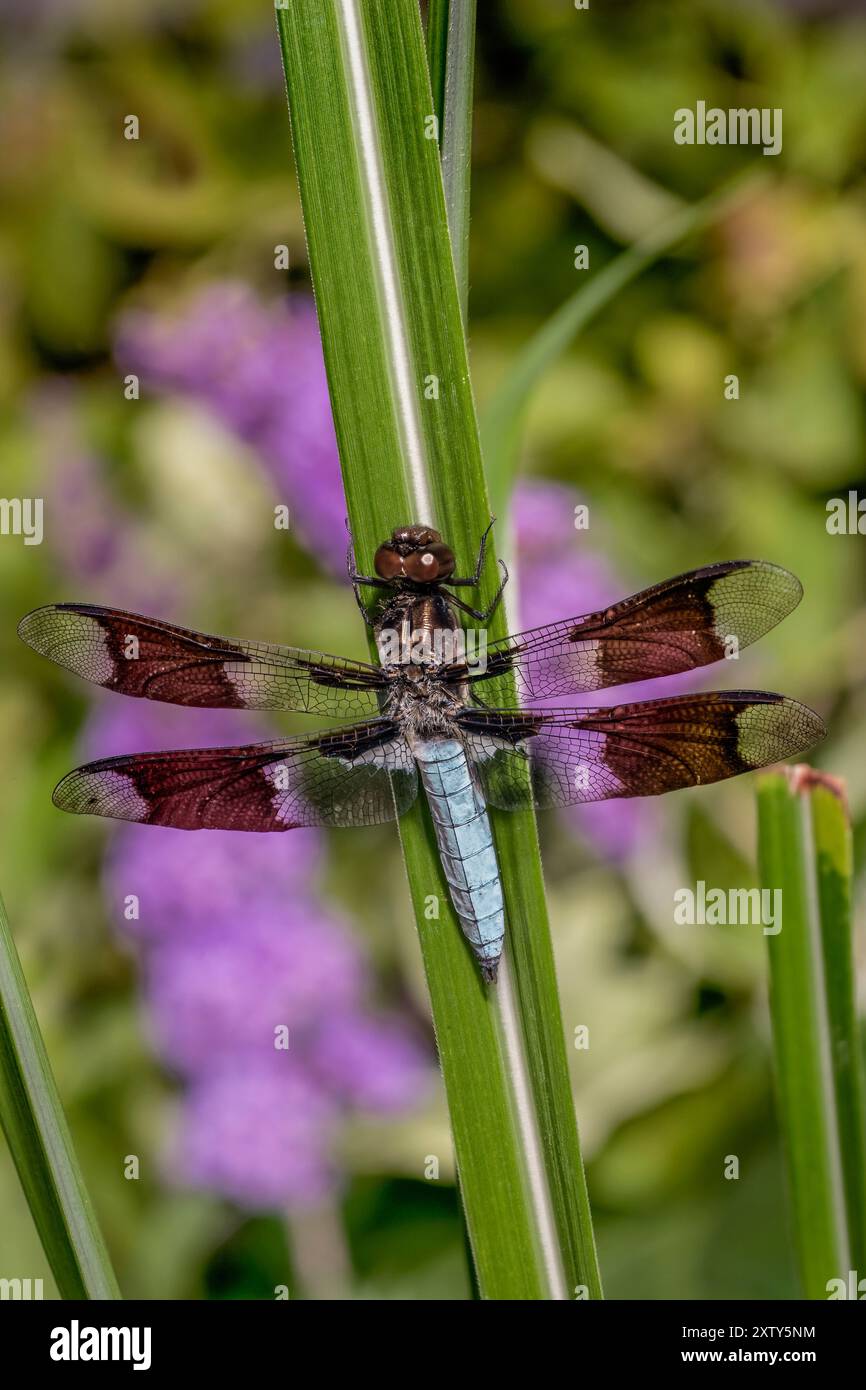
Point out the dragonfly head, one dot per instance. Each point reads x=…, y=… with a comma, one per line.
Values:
x=417, y=553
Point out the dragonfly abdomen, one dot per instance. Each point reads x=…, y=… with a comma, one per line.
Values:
x=466, y=848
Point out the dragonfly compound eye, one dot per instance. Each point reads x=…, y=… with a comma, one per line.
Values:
x=387, y=563
x=430, y=564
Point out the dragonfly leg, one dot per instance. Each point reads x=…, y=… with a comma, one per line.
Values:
x=356, y=580
x=497, y=597
x=464, y=607
x=472, y=581
x=482, y=614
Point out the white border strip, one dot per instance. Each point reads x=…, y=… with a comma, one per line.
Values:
x=514, y=1048
x=415, y=455
x=394, y=318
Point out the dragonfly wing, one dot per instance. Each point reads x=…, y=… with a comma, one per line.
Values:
x=153, y=660
x=682, y=623
x=362, y=774
x=561, y=758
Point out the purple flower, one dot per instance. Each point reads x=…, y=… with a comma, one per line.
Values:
x=259, y=368
x=240, y=957
x=231, y=989
x=372, y=1063
x=185, y=881
x=260, y=1133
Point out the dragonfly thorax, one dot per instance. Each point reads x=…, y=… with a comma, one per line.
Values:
x=422, y=703
x=418, y=631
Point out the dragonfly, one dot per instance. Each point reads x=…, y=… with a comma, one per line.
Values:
x=464, y=719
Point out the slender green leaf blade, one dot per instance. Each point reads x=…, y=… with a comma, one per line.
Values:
x=487, y=1146
x=804, y=852
x=451, y=54
x=382, y=268
x=39, y=1140
x=450, y=44
x=831, y=828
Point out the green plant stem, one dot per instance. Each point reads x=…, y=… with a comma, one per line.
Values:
x=382, y=268
x=805, y=853
x=40, y=1143
x=451, y=55
x=450, y=48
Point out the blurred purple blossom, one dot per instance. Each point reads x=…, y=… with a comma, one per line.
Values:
x=259, y=1133
x=259, y=368
x=184, y=883
x=221, y=992
x=370, y=1062
x=236, y=942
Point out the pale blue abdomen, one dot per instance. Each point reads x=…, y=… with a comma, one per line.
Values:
x=465, y=846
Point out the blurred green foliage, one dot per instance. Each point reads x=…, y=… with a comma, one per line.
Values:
x=573, y=145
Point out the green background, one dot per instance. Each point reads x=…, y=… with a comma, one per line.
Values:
x=573, y=144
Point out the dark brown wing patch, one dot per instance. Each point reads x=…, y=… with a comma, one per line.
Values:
x=360, y=775
x=154, y=660
x=678, y=625
x=569, y=756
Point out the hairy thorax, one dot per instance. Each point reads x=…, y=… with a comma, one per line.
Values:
x=424, y=705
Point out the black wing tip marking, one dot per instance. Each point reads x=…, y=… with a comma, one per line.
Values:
x=717, y=569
